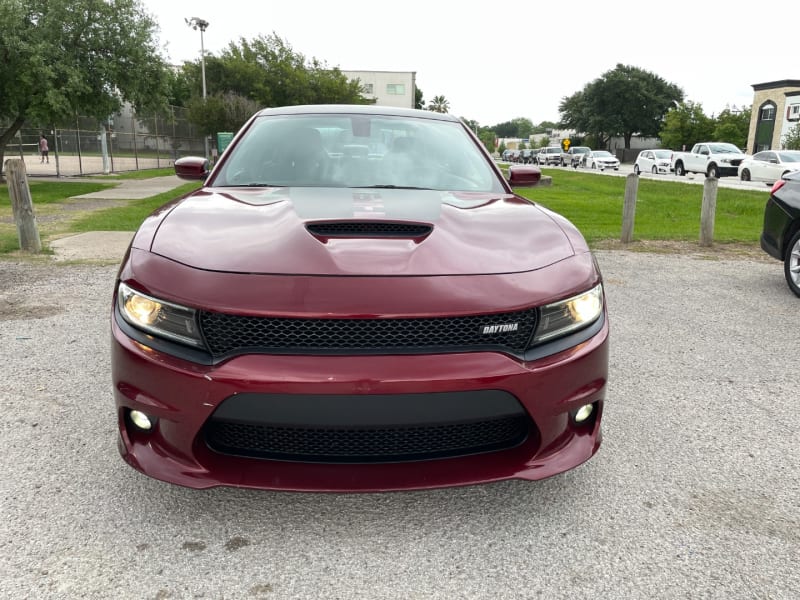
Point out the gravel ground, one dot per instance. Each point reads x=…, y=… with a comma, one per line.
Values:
x=695, y=492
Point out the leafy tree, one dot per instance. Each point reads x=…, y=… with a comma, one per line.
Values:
x=419, y=101
x=792, y=139
x=221, y=112
x=686, y=125
x=267, y=72
x=501, y=148
x=59, y=57
x=488, y=137
x=439, y=104
x=732, y=127
x=622, y=102
x=544, y=126
x=524, y=127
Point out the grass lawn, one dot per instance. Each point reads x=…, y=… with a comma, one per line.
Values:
x=130, y=216
x=665, y=210
x=47, y=200
x=141, y=174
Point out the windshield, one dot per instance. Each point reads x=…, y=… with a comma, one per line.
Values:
x=663, y=153
x=357, y=150
x=602, y=154
x=724, y=149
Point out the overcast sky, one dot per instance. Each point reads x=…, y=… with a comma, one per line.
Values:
x=495, y=61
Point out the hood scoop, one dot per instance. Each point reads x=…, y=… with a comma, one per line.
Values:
x=369, y=229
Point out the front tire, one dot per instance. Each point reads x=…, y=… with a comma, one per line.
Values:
x=713, y=171
x=679, y=170
x=636, y=169
x=791, y=264
x=745, y=176
x=654, y=170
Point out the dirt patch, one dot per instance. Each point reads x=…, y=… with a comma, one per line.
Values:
x=719, y=251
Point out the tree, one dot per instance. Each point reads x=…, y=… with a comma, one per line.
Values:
x=524, y=127
x=419, y=101
x=267, y=72
x=686, y=125
x=221, y=112
x=624, y=101
x=792, y=139
x=439, y=104
x=732, y=126
x=61, y=57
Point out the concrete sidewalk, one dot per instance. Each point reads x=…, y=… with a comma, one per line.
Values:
x=110, y=246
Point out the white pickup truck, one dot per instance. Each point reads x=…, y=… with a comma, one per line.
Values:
x=715, y=159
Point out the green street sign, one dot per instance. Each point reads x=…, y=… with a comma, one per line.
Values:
x=223, y=139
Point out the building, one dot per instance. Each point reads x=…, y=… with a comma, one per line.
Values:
x=387, y=88
x=776, y=110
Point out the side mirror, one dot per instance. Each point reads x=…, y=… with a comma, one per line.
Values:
x=524, y=176
x=193, y=168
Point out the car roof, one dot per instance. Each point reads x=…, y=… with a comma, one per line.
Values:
x=348, y=109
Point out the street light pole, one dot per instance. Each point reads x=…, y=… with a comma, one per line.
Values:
x=198, y=23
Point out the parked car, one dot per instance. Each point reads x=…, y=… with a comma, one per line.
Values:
x=780, y=237
x=602, y=159
x=313, y=319
x=575, y=156
x=769, y=165
x=526, y=156
x=549, y=156
x=653, y=161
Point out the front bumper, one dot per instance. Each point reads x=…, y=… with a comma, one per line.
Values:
x=182, y=396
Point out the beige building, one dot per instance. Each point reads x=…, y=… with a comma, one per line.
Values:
x=776, y=110
x=387, y=88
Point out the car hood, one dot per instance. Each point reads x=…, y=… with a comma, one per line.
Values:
x=266, y=230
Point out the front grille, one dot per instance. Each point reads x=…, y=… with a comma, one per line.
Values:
x=366, y=445
x=228, y=334
x=369, y=229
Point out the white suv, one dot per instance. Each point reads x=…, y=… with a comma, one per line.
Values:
x=549, y=156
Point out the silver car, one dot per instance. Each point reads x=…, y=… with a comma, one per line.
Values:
x=602, y=159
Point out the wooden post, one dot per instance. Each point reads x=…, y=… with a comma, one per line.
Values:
x=22, y=206
x=708, y=211
x=629, y=207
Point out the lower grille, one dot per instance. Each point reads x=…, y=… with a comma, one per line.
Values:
x=394, y=444
x=367, y=428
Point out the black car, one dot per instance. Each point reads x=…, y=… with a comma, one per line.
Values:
x=781, y=235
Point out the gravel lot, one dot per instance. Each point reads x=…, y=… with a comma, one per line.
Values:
x=695, y=492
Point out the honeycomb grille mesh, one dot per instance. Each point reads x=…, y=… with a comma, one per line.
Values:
x=392, y=444
x=367, y=228
x=227, y=334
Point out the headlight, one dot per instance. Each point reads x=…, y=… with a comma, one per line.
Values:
x=164, y=319
x=561, y=318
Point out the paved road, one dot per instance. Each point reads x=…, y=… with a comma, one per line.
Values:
x=695, y=492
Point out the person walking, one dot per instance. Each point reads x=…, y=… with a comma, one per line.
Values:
x=44, y=150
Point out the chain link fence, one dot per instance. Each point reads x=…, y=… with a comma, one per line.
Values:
x=125, y=142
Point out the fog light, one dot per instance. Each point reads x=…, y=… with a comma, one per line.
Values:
x=141, y=420
x=584, y=412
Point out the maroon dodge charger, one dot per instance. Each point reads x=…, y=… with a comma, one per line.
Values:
x=356, y=300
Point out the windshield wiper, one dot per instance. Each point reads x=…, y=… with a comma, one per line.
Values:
x=386, y=186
